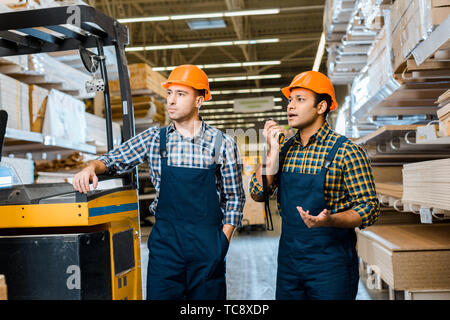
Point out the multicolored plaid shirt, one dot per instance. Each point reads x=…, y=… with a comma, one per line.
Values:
x=349, y=181
x=185, y=152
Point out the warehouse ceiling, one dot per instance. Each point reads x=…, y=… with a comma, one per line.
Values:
x=297, y=26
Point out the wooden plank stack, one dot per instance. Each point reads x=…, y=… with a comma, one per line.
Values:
x=390, y=189
x=145, y=106
x=143, y=81
x=427, y=183
x=147, y=94
x=408, y=257
x=444, y=113
x=14, y=97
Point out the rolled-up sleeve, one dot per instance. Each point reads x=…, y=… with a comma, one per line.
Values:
x=129, y=154
x=359, y=183
x=231, y=180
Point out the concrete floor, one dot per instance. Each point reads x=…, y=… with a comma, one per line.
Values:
x=252, y=266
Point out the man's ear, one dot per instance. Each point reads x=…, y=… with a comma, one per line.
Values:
x=322, y=107
x=199, y=101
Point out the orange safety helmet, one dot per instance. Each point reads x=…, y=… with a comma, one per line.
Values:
x=189, y=75
x=314, y=81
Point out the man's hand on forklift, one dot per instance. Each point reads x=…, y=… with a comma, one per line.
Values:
x=83, y=178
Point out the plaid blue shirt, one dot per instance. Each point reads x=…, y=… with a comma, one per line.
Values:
x=349, y=181
x=185, y=152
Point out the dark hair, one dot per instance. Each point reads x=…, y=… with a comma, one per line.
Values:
x=321, y=97
x=201, y=92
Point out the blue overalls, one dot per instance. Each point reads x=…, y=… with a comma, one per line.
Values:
x=187, y=246
x=317, y=263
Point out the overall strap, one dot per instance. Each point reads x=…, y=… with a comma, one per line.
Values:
x=282, y=157
x=162, y=142
x=332, y=153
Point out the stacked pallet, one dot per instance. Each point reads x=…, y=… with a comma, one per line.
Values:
x=147, y=94
x=143, y=81
x=427, y=183
x=145, y=106
x=444, y=113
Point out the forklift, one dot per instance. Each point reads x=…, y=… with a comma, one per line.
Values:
x=57, y=243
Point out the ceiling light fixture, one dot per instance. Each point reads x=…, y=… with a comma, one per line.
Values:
x=225, y=65
x=219, y=102
x=249, y=90
x=201, y=44
x=239, y=13
x=240, y=78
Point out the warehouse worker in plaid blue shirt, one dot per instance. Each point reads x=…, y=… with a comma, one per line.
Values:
x=325, y=190
x=199, y=194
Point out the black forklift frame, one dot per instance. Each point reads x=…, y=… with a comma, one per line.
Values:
x=66, y=28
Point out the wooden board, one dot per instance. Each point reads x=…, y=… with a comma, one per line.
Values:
x=390, y=189
x=411, y=237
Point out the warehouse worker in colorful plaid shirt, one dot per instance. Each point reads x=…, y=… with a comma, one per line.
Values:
x=199, y=194
x=325, y=190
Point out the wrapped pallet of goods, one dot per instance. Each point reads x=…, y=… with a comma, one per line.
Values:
x=14, y=97
x=96, y=132
x=65, y=117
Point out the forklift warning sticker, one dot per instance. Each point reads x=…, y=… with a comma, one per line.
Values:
x=125, y=107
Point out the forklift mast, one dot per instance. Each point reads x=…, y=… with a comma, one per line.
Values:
x=76, y=26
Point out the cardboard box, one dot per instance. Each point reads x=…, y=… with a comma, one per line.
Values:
x=3, y=288
x=408, y=257
x=14, y=97
x=38, y=104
